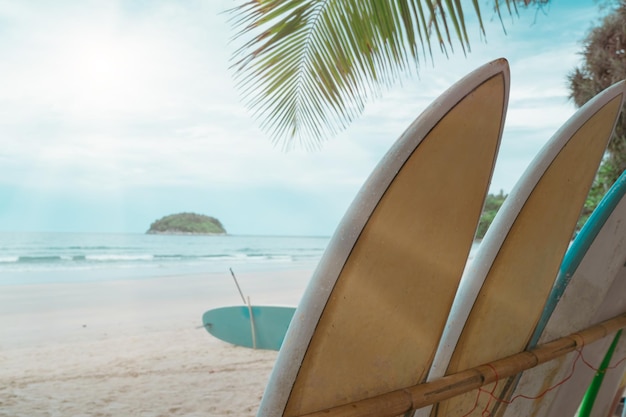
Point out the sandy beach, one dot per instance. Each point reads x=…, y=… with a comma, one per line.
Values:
x=133, y=347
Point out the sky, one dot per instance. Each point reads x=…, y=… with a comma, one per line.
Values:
x=116, y=113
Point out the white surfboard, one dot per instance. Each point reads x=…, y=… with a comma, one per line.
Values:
x=566, y=398
x=375, y=308
x=617, y=405
x=503, y=291
x=590, y=269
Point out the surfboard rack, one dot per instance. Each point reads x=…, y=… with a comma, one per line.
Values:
x=417, y=396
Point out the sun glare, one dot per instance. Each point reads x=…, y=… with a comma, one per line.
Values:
x=108, y=72
x=100, y=64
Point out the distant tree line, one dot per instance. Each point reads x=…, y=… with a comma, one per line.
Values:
x=603, y=64
x=492, y=205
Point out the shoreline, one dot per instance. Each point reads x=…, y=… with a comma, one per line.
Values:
x=133, y=347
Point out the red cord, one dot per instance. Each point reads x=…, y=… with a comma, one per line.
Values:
x=579, y=357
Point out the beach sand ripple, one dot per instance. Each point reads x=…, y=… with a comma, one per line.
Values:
x=88, y=361
x=195, y=376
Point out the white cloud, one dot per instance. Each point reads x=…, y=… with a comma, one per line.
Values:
x=122, y=94
x=92, y=63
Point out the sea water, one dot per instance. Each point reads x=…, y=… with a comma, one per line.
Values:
x=29, y=258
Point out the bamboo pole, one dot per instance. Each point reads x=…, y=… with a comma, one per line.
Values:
x=398, y=402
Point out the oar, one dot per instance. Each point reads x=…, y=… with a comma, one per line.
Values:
x=396, y=403
x=252, y=329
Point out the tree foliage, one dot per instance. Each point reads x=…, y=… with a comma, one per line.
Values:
x=493, y=202
x=604, y=63
x=307, y=67
x=187, y=223
x=606, y=176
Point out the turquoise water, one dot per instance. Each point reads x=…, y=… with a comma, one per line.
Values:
x=66, y=257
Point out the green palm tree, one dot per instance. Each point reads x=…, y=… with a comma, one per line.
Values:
x=307, y=67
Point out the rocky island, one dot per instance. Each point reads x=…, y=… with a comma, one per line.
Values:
x=187, y=224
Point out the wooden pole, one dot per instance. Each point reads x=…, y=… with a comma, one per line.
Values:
x=237, y=284
x=398, y=402
x=252, y=328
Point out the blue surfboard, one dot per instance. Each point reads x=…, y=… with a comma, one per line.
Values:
x=232, y=324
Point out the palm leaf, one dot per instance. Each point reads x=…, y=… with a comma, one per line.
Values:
x=307, y=67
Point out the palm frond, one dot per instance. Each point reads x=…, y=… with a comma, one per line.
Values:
x=306, y=68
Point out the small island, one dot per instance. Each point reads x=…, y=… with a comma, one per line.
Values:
x=187, y=224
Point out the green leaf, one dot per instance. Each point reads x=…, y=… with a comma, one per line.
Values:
x=307, y=67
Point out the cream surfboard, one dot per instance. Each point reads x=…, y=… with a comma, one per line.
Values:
x=617, y=405
x=567, y=397
x=504, y=289
x=372, y=315
x=589, y=269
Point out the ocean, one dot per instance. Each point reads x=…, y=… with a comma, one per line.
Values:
x=32, y=258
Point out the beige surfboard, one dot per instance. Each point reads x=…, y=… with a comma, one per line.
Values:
x=375, y=308
x=583, y=294
x=519, y=258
